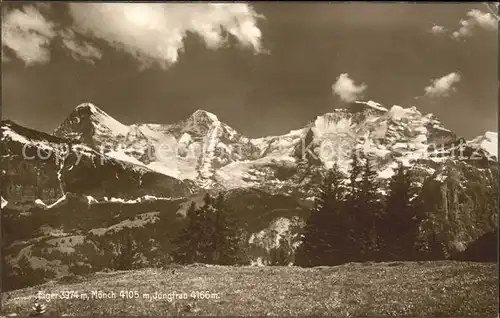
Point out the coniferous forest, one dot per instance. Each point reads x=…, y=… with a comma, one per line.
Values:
x=351, y=221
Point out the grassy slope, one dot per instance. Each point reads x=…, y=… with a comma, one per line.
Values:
x=401, y=289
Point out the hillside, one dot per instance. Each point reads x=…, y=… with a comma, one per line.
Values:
x=36, y=165
x=82, y=235
x=430, y=289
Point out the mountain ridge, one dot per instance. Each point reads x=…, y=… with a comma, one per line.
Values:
x=207, y=114
x=210, y=153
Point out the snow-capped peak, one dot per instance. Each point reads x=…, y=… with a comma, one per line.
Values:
x=200, y=122
x=86, y=121
x=207, y=151
x=487, y=142
x=491, y=135
x=397, y=112
x=201, y=114
x=102, y=118
x=88, y=107
x=373, y=105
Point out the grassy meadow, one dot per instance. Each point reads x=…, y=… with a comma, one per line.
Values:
x=369, y=289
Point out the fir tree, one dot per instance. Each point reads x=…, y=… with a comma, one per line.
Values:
x=206, y=231
x=351, y=210
x=280, y=256
x=399, y=225
x=186, y=242
x=353, y=176
x=339, y=231
x=325, y=234
x=210, y=235
x=369, y=211
x=126, y=253
x=225, y=236
x=435, y=248
x=364, y=209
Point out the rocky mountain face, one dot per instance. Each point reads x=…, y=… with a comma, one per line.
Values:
x=36, y=165
x=192, y=149
x=70, y=196
x=211, y=154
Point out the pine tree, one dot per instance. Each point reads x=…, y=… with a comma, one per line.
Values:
x=365, y=210
x=126, y=253
x=186, y=250
x=435, y=248
x=351, y=210
x=339, y=229
x=225, y=236
x=210, y=235
x=206, y=231
x=325, y=234
x=353, y=176
x=280, y=255
x=399, y=225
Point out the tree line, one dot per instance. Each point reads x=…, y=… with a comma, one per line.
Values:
x=353, y=222
x=211, y=234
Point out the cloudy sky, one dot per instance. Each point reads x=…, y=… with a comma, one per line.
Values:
x=264, y=68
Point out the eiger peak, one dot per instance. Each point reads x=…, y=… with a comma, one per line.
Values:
x=87, y=106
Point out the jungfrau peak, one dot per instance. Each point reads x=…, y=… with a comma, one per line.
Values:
x=487, y=142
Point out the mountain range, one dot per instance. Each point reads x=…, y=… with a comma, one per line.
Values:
x=94, y=174
x=202, y=152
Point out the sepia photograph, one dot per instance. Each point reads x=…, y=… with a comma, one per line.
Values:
x=249, y=159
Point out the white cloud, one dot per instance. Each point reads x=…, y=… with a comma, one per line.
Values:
x=438, y=29
x=485, y=20
x=79, y=50
x=154, y=33
x=476, y=18
x=346, y=89
x=442, y=86
x=465, y=29
x=28, y=34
